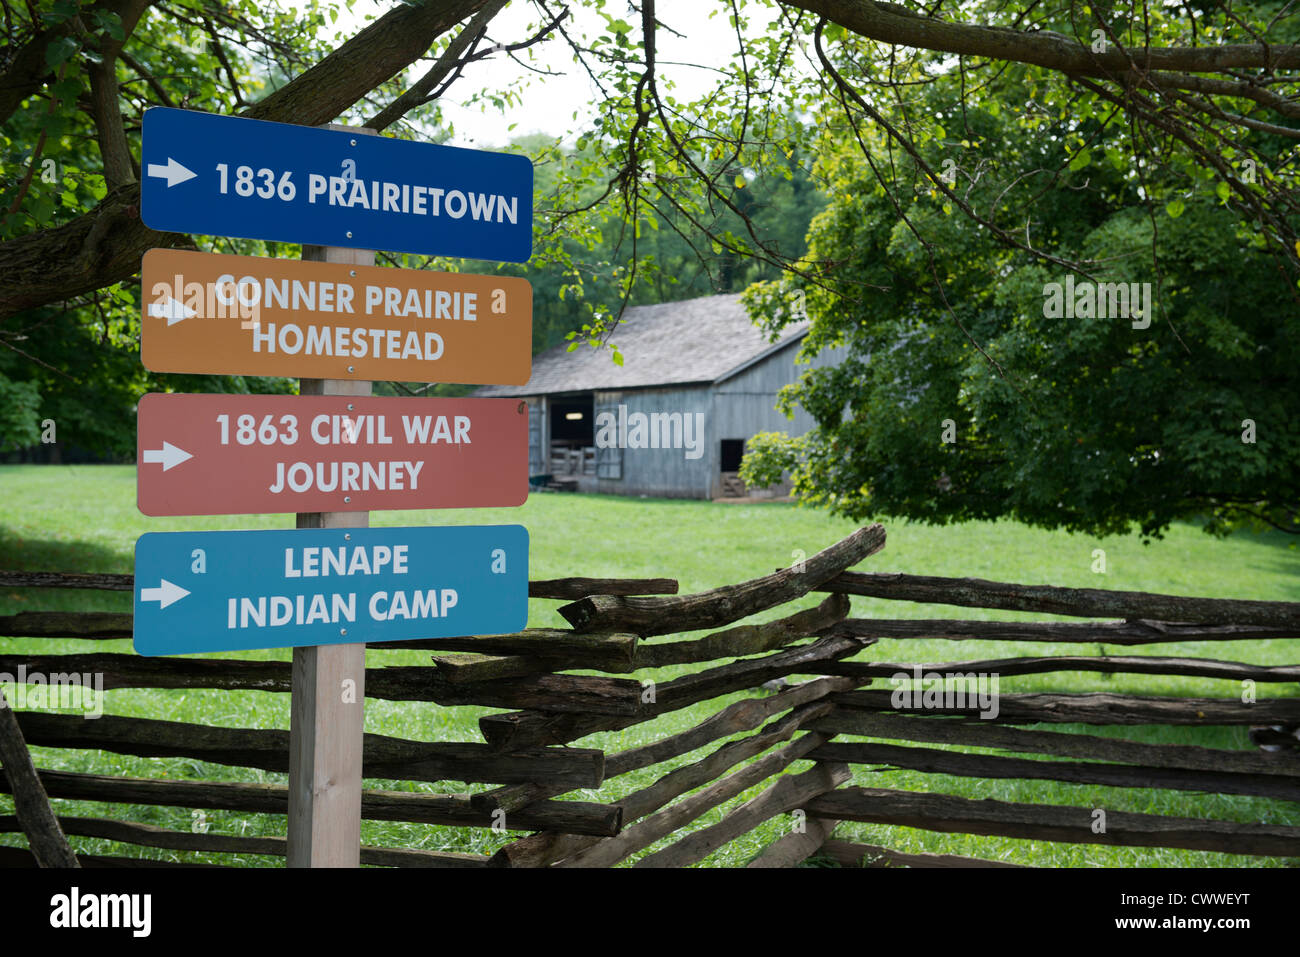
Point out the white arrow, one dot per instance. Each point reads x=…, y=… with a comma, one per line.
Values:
x=173, y=172
x=166, y=594
x=172, y=310
x=169, y=456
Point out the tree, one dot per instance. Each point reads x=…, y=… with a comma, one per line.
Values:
x=1109, y=409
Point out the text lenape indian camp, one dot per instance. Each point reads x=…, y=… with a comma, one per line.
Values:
x=279, y=588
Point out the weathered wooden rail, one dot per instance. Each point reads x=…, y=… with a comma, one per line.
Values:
x=533, y=752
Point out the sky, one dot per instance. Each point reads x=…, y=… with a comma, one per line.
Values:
x=550, y=101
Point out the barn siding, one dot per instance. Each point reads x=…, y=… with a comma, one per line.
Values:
x=664, y=473
x=745, y=404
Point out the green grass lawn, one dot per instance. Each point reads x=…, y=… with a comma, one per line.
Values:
x=84, y=518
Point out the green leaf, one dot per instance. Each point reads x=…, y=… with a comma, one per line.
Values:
x=1081, y=159
x=618, y=358
x=54, y=125
x=1222, y=190
x=1174, y=208
x=59, y=50
x=69, y=88
x=740, y=182
x=41, y=208
x=111, y=24
x=62, y=10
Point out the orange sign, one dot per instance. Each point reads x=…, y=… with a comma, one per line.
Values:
x=244, y=315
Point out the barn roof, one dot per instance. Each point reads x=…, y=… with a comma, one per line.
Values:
x=673, y=343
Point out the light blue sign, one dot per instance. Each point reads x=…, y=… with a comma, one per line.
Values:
x=230, y=591
x=231, y=176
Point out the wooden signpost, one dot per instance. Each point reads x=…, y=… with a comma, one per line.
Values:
x=338, y=322
x=332, y=186
x=247, y=315
x=205, y=592
x=219, y=454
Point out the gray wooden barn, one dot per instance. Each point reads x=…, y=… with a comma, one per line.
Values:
x=698, y=380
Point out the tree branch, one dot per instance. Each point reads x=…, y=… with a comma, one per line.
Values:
x=28, y=71
x=143, y=72
x=375, y=55
x=446, y=63
x=220, y=52
x=890, y=23
x=104, y=246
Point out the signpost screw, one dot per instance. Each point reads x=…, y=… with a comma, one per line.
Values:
x=354, y=142
x=350, y=407
x=352, y=368
x=347, y=537
x=349, y=234
x=346, y=499
x=343, y=631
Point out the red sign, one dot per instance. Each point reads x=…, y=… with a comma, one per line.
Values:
x=245, y=454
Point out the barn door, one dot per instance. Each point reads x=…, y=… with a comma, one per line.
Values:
x=609, y=461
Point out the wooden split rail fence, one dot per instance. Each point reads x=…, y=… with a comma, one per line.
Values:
x=833, y=720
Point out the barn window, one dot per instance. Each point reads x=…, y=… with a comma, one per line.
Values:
x=609, y=458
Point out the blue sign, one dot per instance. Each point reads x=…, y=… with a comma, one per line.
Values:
x=231, y=176
x=230, y=591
